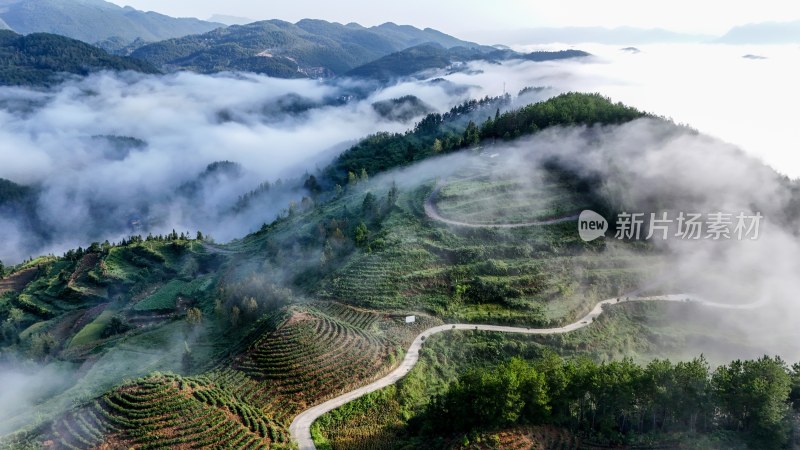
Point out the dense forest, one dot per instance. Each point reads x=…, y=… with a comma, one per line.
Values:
x=618, y=401
x=41, y=59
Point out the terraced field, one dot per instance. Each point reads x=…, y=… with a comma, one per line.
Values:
x=379, y=279
x=166, y=411
x=318, y=353
x=493, y=200
x=307, y=357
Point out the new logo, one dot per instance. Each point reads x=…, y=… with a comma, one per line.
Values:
x=591, y=225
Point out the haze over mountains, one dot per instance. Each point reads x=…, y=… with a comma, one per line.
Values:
x=306, y=49
x=247, y=215
x=600, y=35
x=763, y=33
x=94, y=21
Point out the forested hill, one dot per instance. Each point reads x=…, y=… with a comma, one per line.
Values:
x=41, y=59
x=468, y=124
x=433, y=56
x=308, y=48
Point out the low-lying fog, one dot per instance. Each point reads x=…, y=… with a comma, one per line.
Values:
x=95, y=186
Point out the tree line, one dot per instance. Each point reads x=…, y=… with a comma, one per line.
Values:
x=468, y=124
x=617, y=401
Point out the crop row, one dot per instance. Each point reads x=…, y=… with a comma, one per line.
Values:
x=169, y=412
x=358, y=318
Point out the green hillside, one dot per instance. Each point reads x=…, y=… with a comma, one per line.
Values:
x=175, y=341
x=42, y=59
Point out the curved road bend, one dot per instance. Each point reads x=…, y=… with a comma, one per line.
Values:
x=433, y=212
x=300, y=429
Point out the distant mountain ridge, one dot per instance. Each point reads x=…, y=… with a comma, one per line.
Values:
x=95, y=21
x=433, y=56
x=763, y=33
x=308, y=48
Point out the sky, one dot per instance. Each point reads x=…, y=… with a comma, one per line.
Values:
x=472, y=17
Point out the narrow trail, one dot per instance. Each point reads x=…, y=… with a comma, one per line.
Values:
x=300, y=429
x=217, y=250
x=433, y=212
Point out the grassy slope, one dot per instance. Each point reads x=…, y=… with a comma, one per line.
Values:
x=411, y=267
x=407, y=264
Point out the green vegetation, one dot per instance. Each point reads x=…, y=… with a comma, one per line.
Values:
x=42, y=59
x=480, y=199
x=313, y=305
x=168, y=410
x=166, y=297
x=644, y=403
x=619, y=400
x=92, y=332
x=457, y=129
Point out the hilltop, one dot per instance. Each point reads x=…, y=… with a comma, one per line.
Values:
x=42, y=59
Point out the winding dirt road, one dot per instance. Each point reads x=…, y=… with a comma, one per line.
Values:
x=433, y=212
x=300, y=429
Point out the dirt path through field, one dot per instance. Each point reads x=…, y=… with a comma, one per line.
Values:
x=433, y=212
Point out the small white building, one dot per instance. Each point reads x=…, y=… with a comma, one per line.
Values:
x=411, y=319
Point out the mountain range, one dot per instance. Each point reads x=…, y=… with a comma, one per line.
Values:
x=308, y=48
x=95, y=21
